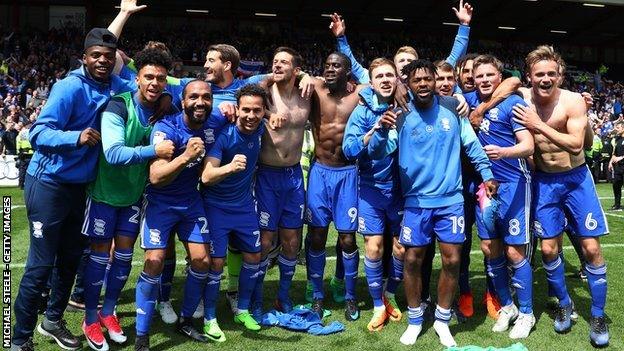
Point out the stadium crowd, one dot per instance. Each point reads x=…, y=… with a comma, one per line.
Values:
x=109, y=142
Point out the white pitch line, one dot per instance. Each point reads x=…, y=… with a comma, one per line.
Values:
x=333, y=258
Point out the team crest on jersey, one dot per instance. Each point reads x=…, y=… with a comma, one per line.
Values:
x=99, y=227
x=429, y=128
x=264, y=219
x=37, y=229
x=154, y=236
x=446, y=124
x=159, y=136
x=209, y=135
x=406, y=233
x=494, y=114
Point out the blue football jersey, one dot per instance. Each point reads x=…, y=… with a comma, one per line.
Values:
x=498, y=128
x=236, y=189
x=186, y=183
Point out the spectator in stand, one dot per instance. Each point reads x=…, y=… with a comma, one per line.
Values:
x=9, y=138
x=616, y=166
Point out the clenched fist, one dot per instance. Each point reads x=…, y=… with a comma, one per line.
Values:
x=194, y=148
x=239, y=163
x=165, y=149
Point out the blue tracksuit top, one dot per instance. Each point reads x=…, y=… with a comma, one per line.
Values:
x=429, y=143
x=74, y=104
x=381, y=173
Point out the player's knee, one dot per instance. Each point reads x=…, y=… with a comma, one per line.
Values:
x=550, y=250
x=153, y=265
x=592, y=251
x=412, y=262
x=451, y=262
x=347, y=242
x=101, y=246
x=201, y=263
x=216, y=264
x=267, y=244
x=515, y=254
x=290, y=247
x=374, y=250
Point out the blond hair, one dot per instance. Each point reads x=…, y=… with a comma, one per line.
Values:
x=407, y=49
x=545, y=53
x=378, y=62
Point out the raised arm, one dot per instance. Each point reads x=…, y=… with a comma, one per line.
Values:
x=126, y=9
x=460, y=46
x=338, y=28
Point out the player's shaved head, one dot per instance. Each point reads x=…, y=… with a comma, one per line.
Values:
x=192, y=83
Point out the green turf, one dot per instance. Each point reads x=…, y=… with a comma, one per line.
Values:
x=476, y=331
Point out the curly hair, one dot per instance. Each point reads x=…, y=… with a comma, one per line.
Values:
x=152, y=56
x=252, y=90
x=418, y=64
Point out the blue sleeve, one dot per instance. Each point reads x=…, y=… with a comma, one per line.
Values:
x=216, y=150
x=474, y=151
x=47, y=133
x=353, y=140
x=460, y=45
x=359, y=73
x=255, y=79
x=113, y=143
x=383, y=143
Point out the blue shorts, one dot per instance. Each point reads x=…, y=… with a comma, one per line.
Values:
x=378, y=208
x=103, y=221
x=570, y=196
x=512, y=220
x=239, y=225
x=162, y=217
x=421, y=224
x=280, y=197
x=332, y=195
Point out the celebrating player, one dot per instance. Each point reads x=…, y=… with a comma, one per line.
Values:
x=564, y=189
x=173, y=203
x=113, y=207
x=279, y=187
x=503, y=242
x=432, y=190
x=227, y=192
x=65, y=139
x=332, y=186
x=379, y=202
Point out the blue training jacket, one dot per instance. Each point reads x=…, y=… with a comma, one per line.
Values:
x=74, y=105
x=429, y=143
x=374, y=173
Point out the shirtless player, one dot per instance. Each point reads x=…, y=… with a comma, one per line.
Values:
x=563, y=185
x=332, y=186
x=279, y=184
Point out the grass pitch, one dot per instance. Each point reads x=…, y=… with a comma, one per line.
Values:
x=476, y=331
